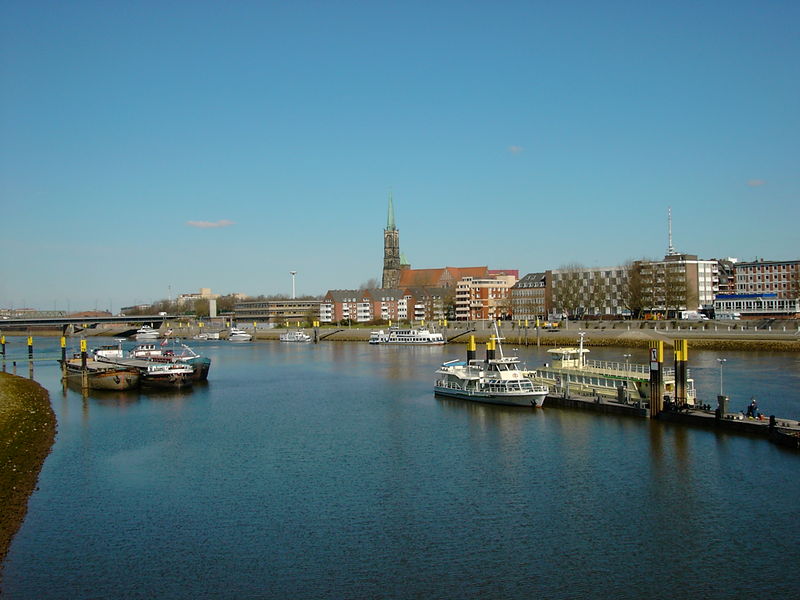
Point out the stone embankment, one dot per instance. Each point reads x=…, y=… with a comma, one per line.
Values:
x=27, y=433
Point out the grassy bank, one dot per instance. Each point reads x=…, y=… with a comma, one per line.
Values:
x=27, y=432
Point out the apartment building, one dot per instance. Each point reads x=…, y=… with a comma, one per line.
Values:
x=484, y=298
x=581, y=292
x=679, y=282
x=530, y=297
x=364, y=306
x=769, y=277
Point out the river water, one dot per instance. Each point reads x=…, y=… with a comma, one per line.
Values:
x=331, y=471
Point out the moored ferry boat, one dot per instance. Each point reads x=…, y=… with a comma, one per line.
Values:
x=395, y=335
x=495, y=380
x=569, y=371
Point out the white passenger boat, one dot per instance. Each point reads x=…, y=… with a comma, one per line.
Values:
x=238, y=335
x=495, y=380
x=146, y=332
x=395, y=335
x=295, y=336
x=570, y=372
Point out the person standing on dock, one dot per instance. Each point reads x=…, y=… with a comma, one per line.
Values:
x=752, y=410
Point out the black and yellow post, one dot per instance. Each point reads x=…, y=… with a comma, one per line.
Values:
x=681, y=358
x=63, y=356
x=656, y=379
x=30, y=356
x=3, y=346
x=471, y=349
x=84, y=371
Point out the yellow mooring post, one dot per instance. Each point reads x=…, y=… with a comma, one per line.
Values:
x=681, y=359
x=84, y=370
x=656, y=379
x=63, y=356
x=30, y=346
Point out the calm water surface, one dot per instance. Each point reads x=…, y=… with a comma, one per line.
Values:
x=331, y=471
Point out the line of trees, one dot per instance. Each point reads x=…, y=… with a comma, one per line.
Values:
x=643, y=285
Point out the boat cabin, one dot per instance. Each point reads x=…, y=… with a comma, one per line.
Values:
x=569, y=358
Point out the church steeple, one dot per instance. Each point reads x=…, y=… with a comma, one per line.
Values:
x=390, y=217
x=391, y=251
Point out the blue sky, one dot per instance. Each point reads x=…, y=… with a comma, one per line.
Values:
x=525, y=135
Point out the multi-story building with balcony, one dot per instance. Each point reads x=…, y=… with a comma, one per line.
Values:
x=484, y=298
x=395, y=305
x=780, y=277
x=679, y=282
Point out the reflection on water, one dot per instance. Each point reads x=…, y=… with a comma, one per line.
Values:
x=331, y=470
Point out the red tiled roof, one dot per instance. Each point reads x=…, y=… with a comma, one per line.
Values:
x=438, y=277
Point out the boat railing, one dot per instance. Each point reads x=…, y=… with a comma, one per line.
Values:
x=606, y=365
x=625, y=368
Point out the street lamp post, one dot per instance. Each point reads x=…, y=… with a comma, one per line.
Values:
x=721, y=362
x=627, y=378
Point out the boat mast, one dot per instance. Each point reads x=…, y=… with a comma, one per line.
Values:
x=498, y=338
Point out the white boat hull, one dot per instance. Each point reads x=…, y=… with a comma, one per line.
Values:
x=146, y=336
x=536, y=399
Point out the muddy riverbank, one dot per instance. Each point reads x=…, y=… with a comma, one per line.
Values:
x=27, y=433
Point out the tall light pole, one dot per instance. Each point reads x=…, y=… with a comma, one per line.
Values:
x=292, y=273
x=627, y=377
x=721, y=362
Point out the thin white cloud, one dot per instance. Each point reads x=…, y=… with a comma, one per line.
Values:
x=208, y=224
x=756, y=182
x=515, y=149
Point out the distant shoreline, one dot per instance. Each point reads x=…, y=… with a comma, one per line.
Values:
x=596, y=333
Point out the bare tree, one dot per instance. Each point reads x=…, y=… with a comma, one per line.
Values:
x=597, y=295
x=371, y=284
x=674, y=289
x=568, y=289
x=635, y=296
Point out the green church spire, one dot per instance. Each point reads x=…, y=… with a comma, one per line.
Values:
x=390, y=219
